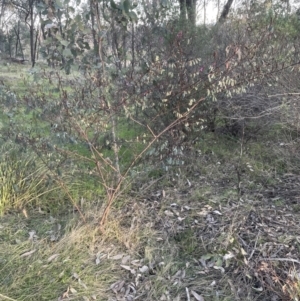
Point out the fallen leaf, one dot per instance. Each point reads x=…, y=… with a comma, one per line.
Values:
x=41, y=211
x=117, y=286
x=125, y=259
x=25, y=213
x=52, y=257
x=99, y=256
x=187, y=294
x=65, y=294
x=204, y=258
x=258, y=289
x=163, y=297
x=169, y=213
x=228, y=256
x=243, y=252
x=130, y=289
x=73, y=290
x=219, y=268
x=177, y=275
x=28, y=253
x=128, y=268
x=82, y=284
x=136, y=262
x=117, y=257
x=144, y=269
x=203, y=262
x=32, y=235
x=197, y=296
x=213, y=283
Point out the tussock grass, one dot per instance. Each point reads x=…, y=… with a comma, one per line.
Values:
x=38, y=277
x=22, y=179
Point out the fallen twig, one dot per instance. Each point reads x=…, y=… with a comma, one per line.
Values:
x=7, y=298
x=281, y=259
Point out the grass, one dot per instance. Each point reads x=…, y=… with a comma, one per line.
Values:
x=22, y=179
x=192, y=247
x=171, y=235
x=43, y=278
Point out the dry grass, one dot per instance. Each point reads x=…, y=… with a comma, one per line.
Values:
x=223, y=227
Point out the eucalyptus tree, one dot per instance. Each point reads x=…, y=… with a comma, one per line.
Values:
x=8, y=18
x=188, y=10
x=28, y=13
x=3, y=4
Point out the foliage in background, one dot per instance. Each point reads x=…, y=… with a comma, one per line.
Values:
x=142, y=91
x=167, y=79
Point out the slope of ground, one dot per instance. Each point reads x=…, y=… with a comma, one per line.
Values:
x=223, y=227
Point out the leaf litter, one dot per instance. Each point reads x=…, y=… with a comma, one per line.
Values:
x=237, y=247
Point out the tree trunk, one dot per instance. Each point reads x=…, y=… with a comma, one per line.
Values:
x=132, y=49
x=17, y=39
x=191, y=11
x=225, y=11
x=35, y=45
x=18, y=42
x=182, y=4
x=2, y=13
x=204, y=10
x=95, y=43
x=188, y=11
x=31, y=31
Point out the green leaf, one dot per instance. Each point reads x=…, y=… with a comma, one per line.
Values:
x=206, y=256
x=133, y=16
x=219, y=262
x=58, y=4
x=126, y=5
x=113, y=4
x=78, y=18
x=74, y=52
x=86, y=45
x=67, y=52
x=164, y=3
x=46, y=22
x=64, y=42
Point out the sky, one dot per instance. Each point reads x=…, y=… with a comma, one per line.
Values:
x=211, y=12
